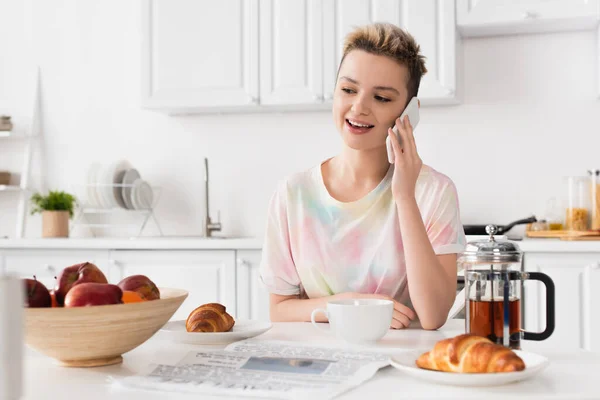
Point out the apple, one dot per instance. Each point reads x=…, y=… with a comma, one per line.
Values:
x=76, y=275
x=93, y=294
x=36, y=294
x=142, y=285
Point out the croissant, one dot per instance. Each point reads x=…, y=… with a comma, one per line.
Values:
x=470, y=354
x=210, y=317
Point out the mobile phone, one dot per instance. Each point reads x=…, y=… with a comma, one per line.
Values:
x=412, y=110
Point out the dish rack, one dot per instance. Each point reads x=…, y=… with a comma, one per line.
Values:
x=86, y=214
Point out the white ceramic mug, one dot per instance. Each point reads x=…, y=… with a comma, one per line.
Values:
x=11, y=337
x=359, y=321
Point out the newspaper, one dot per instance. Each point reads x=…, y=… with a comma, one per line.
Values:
x=271, y=369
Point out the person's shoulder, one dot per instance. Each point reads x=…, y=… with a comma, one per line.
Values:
x=432, y=178
x=433, y=181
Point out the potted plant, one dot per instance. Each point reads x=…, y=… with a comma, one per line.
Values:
x=56, y=209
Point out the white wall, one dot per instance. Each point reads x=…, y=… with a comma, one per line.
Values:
x=529, y=116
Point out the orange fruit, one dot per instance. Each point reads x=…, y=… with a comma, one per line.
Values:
x=131, y=297
x=53, y=299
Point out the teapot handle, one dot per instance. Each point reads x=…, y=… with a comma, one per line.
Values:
x=547, y=281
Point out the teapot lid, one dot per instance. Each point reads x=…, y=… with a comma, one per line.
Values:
x=490, y=250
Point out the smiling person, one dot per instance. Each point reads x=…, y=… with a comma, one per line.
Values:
x=356, y=226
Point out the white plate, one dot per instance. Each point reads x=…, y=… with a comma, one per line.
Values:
x=406, y=362
x=142, y=195
x=118, y=173
x=243, y=329
x=131, y=175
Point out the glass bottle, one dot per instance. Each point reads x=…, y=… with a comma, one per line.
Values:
x=553, y=215
x=577, y=217
x=595, y=198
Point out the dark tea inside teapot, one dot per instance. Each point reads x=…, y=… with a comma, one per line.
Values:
x=493, y=282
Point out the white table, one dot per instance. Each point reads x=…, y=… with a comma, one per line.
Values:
x=570, y=375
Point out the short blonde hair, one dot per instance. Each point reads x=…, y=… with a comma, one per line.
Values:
x=389, y=40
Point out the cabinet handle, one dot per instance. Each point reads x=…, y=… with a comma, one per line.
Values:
x=114, y=263
x=318, y=97
x=243, y=262
x=329, y=96
x=254, y=100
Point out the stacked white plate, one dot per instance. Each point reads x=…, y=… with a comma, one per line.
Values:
x=118, y=185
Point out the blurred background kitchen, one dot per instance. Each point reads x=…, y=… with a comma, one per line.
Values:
x=510, y=108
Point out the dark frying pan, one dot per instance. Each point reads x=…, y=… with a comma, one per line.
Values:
x=502, y=229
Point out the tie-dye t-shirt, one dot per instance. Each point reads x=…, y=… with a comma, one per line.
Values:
x=319, y=246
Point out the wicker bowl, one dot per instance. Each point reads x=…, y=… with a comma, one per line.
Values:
x=98, y=335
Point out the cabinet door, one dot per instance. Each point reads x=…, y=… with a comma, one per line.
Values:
x=497, y=17
x=208, y=276
x=431, y=22
x=253, y=298
x=196, y=55
x=590, y=305
x=291, y=52
x=565, y=269
x=47, y=264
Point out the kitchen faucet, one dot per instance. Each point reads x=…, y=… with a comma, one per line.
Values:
x=209, y=226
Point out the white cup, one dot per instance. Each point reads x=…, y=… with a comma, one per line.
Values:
x=360, y=321
x=11, y=337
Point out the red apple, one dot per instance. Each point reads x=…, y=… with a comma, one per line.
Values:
x=76, y=275
x=36, y=294
x=93, y=294
x=142, y=285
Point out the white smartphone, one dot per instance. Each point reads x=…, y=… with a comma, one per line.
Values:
x=412, y=110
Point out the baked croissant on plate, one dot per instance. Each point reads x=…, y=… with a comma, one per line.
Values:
x=470, y=354
x=210, y=317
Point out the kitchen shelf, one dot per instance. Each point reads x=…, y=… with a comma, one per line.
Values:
x=26, y=130
x=11, y=188
x=12, y=135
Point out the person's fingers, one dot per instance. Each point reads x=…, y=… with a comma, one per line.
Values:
x=399, y=320
x=404, y=310
x=410, y=137
x=395, y=146
x=403, y=132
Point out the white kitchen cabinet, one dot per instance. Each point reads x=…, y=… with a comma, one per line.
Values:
x=500, y=17
x=197, y=55
x=431, y=22
x=252, y=297
x=47, y=264
x=590, y=305
x=208, y=275
x=291, y=52
x=566, y=270
x=199, y=59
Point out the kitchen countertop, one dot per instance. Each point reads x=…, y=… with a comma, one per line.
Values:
x=248, y=243
x=136, y=243
x=570, y=375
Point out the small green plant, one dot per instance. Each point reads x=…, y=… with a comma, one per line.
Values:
x=54, y=201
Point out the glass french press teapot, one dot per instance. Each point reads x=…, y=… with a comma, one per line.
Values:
x=493, y=290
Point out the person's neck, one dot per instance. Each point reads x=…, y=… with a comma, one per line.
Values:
x=363, y=167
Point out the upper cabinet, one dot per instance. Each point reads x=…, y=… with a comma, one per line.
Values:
x=431, y=22
x=246, y=55
x=291, y=52
x=198, y=55
x=497, y=17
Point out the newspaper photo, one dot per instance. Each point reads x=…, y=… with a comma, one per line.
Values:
x=270, y=369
